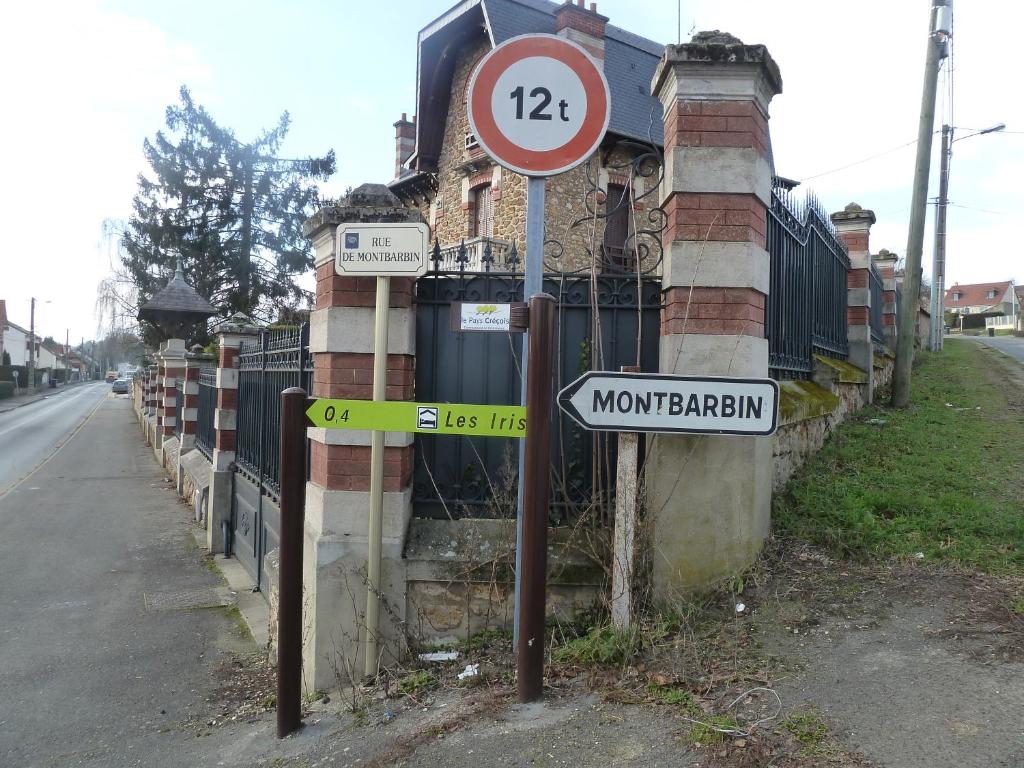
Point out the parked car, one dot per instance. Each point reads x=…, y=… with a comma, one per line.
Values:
x=111, y=376
x=119, y=387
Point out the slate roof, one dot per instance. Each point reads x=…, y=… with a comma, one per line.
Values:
x=976, y=294
x=629, y=63
x=177, y=296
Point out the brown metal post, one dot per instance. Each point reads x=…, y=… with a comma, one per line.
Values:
x=289, y=610
x=536, y=496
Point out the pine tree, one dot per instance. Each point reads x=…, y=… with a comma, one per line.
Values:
x=232, y=212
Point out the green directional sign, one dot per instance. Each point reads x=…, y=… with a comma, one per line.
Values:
x=428, y=418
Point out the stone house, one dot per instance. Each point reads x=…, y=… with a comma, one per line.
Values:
x=467, y=199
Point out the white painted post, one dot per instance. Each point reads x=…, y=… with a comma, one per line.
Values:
x=380, y=383
x=624, y=547
x=624, y=540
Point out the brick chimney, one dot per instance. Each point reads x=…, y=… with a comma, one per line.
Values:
x=585, y=27
x=405, y=142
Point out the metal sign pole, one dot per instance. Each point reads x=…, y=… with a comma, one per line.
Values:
x=536, y=493
x=289, y=604
x=533, y=282
x=380, y=374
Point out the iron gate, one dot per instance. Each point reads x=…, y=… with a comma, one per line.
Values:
x=461, y=476
x=278, y=359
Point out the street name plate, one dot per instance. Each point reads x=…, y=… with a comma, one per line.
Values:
x=429, y=418
x=382, y=250
x=645, y=402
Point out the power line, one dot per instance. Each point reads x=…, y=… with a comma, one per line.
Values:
x=860, y=162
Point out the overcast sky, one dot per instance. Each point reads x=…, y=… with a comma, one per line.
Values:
x=85, y=81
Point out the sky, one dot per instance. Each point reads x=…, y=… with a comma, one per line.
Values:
x=86, y=81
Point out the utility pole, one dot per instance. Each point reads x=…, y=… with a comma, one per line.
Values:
x=940, y=29
x=32, y=344
x=939, y=255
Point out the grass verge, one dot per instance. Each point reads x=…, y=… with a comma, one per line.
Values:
x=942, y=478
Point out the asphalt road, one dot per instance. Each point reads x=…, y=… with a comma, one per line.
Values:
x=105, y=652
x=1011, y=345
x=31, y=433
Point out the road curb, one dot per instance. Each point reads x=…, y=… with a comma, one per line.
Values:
x=251, y=605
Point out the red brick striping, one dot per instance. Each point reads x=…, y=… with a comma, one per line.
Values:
x=857, y=316
x=349, y=375
x=225, y=440
x=857, y=278
x=227, y=399
x=334, y=290
x=856, y=240
x=713, y=311
x=347, y=467
x=716, y=216
x=697, y=123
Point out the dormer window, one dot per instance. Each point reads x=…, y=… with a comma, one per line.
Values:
x=957, y=296
x=992, y=293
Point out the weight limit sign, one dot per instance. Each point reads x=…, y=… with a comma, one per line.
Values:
x=539, y=104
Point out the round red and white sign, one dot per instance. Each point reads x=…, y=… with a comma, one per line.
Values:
x=538, y=104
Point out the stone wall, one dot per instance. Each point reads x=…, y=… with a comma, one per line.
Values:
x=808, y=414
x=460, y=577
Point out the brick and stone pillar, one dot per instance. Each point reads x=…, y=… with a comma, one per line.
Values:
x=158, y=407
x=709, y=496
x=337, y=498
x=885, y=263
x=405, y=142
x=231, y=333
x=173, y=359
x=189, y=414
x=854, y=226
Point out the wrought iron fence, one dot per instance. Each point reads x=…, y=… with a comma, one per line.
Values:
x=877, y=305
x=475, y=254
x=466, y=477
x=278, y=359
x=806, y=310
x=205, y=434
x=179, y=407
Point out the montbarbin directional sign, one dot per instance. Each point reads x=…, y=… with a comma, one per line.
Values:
x=429, y=418
x=391, y=250
x=539, y=104
x=644, y=402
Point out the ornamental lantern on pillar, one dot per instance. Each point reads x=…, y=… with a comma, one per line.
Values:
x=176, y=309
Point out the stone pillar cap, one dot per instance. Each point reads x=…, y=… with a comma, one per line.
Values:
x=238, y=323
x=721, y=48
x=853, y=212
x=366, y=204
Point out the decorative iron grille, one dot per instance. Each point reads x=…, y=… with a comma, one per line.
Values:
x=806, y=310
x=205, y=434
x=278, y=359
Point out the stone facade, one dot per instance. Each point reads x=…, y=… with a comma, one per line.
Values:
x=462, y=170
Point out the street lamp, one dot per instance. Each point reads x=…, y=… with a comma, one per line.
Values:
x=938, y=302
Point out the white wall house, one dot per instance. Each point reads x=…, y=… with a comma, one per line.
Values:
x=998, y=301
x=16, y=343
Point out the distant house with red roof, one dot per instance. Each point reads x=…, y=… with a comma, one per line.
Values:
x=999, y=304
